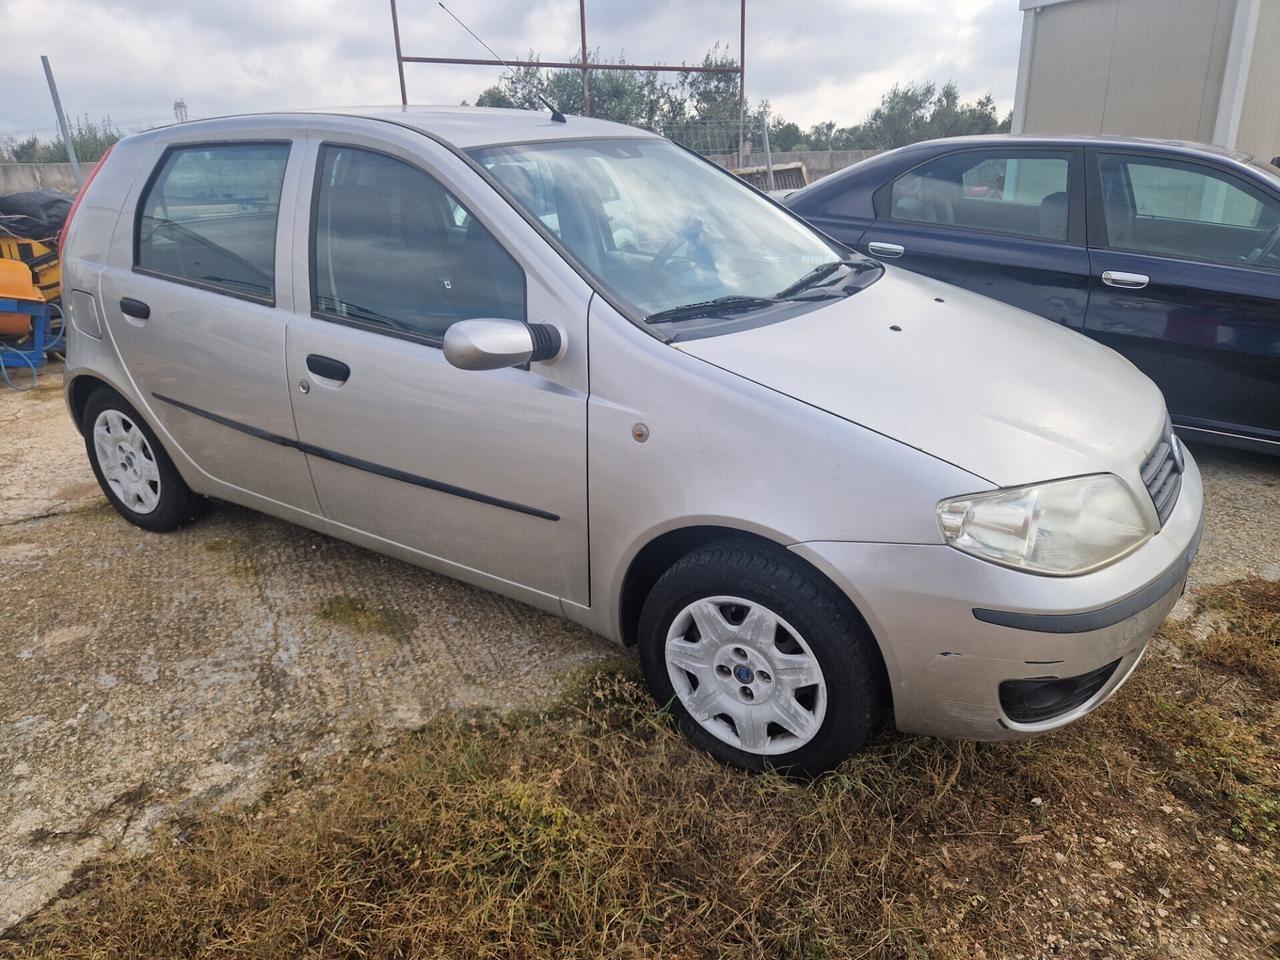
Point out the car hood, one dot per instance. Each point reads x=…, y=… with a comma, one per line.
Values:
x=996, y=391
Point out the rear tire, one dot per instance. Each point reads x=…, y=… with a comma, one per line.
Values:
x=791, y=677
x=132, y=468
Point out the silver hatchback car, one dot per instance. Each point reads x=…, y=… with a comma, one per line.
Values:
x=575, y=364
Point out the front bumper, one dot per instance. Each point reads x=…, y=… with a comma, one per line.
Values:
x=952, y=627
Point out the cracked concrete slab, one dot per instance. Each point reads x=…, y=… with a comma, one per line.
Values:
x=142, y=676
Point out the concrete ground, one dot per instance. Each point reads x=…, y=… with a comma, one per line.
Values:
x=143, y=675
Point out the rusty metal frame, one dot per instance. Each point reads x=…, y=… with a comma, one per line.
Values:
x=586, y=68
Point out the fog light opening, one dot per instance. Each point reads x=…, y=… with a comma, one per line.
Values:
x=1034, y=701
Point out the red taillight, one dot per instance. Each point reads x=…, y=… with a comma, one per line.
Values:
x=75, y=204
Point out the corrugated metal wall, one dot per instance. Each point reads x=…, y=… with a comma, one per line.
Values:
x=1129, y=67
x=1260, y=119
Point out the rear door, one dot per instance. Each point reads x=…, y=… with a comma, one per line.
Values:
x=1183, y=286
x=483, y=471
x=1006, y=222
x=196, y=296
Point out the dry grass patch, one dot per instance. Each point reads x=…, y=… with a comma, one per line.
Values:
x=1244, y=629
x=593, y=830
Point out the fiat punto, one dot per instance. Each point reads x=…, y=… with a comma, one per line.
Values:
x=573, y=363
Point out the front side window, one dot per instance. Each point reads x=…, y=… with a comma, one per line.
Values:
x=395, y=252
x=1022, y=193
x=208, y=217
x=663, y=231
x=1153, y=205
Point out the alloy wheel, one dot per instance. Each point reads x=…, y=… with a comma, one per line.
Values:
x=127, y=462
x=745, y=675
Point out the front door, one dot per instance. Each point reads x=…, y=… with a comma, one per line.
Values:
x=1185, y=287
x=483, y=472
x=1004, y=222
x=198, y=309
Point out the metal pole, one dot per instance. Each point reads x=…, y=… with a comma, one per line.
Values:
x=768, y=157
x=586, y=91
x=395, y=28
x=62, y=122
x=742, y=84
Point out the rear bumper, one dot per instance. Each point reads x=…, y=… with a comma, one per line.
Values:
x=954, y=628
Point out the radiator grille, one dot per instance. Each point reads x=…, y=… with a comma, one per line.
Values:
x=1162, y=473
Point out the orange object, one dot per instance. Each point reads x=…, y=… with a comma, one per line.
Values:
x=16, y=284
x=42, y=258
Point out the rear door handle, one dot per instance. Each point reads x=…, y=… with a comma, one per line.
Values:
x=134, y=308
x=328, y=368
x=890, y=250
x=1126, y=281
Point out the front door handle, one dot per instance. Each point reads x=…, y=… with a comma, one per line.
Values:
x=134, y=308
x=1126, y=281
x=328, y=368
x=890, y=250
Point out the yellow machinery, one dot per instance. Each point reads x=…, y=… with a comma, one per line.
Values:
x=30, y=278
x=41, y=259
x=25, y=321
x=30, y=224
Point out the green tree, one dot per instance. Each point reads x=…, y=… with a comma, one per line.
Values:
x=920, y=111
x=701, y=109
x=91, y=140
x=785, y=135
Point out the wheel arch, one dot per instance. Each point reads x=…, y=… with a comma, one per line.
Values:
x=78, y=392
x=663, y=551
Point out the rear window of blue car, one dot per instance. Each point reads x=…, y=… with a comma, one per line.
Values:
x=1024, y=193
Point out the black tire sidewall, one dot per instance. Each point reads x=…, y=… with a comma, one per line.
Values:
x=177, y=505
x=825, y=619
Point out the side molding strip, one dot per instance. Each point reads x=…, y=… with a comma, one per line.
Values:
x=1107, y=616
x=359, y=464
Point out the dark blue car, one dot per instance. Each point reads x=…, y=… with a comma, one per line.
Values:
x=1167, y=252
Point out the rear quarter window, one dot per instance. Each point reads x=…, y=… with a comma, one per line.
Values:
x=208, y=217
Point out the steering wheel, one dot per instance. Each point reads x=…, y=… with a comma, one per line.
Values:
x=1268, y=245
x=691, y=233
x=665, y=253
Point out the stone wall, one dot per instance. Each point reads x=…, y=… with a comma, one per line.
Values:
x=817, y=163
x=21, y=177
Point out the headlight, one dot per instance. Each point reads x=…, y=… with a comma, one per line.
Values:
x=1062, y=527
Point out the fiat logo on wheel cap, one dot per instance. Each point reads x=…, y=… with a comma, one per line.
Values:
x=743, y=674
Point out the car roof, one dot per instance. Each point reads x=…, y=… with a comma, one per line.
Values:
x=904, y=157
x=460, y=127
x=466, y=127
x=1087, y=140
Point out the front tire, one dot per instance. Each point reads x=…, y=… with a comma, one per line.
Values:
x=132, y=467
x=764, y=664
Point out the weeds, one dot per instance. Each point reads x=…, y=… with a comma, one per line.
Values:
x=367, y=618
x=593, y=830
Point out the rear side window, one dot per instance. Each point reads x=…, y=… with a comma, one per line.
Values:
x=393, y=251
x=1022, y=193
x=208, y=217
x=1155, y=205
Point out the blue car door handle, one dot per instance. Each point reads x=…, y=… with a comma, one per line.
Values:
x=1129, y=281
x=890, y=250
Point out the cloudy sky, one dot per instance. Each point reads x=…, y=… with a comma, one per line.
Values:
x=815, y=60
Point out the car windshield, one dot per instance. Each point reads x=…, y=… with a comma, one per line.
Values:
x=664, y=232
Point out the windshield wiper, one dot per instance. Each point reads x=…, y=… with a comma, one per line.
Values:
x=813, y=277
x=710, y=308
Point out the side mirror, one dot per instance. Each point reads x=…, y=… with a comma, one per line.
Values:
x=493, y=344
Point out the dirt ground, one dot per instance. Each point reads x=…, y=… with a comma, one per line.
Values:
x=142, y=676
